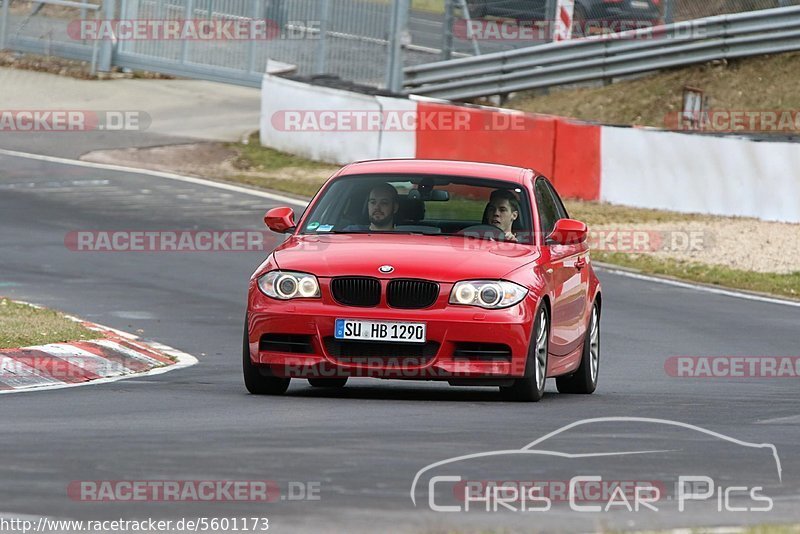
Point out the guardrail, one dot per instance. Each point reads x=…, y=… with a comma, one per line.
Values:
x=607, y=56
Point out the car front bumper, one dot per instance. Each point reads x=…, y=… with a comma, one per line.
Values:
x=452, y=333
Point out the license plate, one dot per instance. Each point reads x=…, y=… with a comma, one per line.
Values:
x=359, y=330
x=639, y=4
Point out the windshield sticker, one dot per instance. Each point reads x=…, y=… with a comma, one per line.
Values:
x=313, y=225
x=325, y=228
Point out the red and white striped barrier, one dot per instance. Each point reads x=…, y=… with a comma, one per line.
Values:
x=565, y=10
x=116, y=356
x=639, y=167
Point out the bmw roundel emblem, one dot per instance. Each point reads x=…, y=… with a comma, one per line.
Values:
x=386, y=269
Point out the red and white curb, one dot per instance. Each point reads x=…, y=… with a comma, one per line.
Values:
x=116, y=356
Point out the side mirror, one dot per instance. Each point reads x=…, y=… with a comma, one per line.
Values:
x=280, y=220
x=568, y=232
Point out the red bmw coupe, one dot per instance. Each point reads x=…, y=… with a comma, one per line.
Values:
x=468, y=273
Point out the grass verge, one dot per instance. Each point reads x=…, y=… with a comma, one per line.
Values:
x=271, y=169
x=253, y=156
x=784, y=285
x=758, y=83
x=774, y=529
x=70, y=67
x=22, y=325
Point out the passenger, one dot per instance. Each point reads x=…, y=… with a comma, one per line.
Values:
x=501, y=211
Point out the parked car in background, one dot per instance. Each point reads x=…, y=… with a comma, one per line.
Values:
x=588, y=13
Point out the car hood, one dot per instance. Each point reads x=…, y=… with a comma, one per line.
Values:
x=438, y=258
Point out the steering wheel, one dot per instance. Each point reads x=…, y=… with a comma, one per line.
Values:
x=484, y=230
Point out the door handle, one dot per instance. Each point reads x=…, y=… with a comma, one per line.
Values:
x=580, y=263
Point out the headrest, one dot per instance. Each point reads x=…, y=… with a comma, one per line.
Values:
x=411, y=209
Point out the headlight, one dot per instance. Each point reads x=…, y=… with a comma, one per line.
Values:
x=490, y=294
x=285, y=285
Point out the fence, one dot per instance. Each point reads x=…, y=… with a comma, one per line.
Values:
x=604, y=57
x=356, y=40
x=363, y=41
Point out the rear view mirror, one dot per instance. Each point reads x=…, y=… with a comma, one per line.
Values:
x=430, y=195
x=568, y=232
x=280, y=220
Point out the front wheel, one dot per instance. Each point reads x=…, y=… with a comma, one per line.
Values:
x=259, y=380
x=584, y=379
x=530, y=388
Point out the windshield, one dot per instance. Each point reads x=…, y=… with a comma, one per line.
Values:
x=428, y=205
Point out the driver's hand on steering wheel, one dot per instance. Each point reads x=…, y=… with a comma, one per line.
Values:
x=510, y=237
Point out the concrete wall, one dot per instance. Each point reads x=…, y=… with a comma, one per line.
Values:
x=630, y=166
x=322, y=115
x=699, y=174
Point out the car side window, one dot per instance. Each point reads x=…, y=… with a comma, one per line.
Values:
x=546, y=206
x=562, y=210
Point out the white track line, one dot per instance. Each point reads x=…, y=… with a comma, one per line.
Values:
x=700, y=287
x=301, y=203
x=158, y=174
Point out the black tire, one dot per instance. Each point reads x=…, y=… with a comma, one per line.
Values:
x=584, y=380
x=477, y=8
x=259, y=379
x=328, y=382
x=530, y=388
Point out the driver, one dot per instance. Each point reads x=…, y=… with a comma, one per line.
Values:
x=382, y=207
x=501, y=211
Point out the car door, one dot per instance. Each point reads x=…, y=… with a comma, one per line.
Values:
x=580, y=263
x=565, y=265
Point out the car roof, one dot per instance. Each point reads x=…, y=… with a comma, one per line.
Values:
x=468, y=169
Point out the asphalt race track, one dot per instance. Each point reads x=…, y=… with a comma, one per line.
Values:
x=364, y=444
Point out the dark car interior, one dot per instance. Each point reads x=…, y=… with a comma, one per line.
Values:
x=349, y=212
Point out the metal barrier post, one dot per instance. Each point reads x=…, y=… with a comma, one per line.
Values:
x=3, y=23
x=550, y=18
x=398, y=26
x=107, y=46
x=468, y=19
x=669, y=11
x=447, y=42
x=321, y=62
x=188, y=14
x=255, y=14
